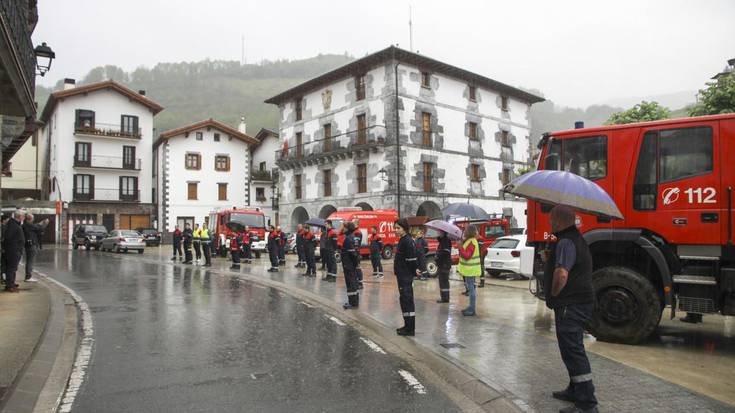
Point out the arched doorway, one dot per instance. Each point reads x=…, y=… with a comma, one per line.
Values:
x=326, y=211
x=429, y=209
x=298, y=216
x=365, y=206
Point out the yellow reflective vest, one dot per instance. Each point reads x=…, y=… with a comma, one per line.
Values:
x=470, y=267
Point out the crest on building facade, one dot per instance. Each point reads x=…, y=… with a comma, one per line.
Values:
x=327, y=99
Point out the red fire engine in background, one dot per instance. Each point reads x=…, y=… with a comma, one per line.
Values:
x=672, y=182
x=383, y=219
x=253, y=218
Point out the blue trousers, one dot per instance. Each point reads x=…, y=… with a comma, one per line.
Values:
x=570, y=322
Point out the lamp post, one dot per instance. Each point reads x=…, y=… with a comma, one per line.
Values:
x=275, y=193
x=44, y=56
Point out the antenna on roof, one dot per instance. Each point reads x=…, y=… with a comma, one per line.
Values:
x=410, y=30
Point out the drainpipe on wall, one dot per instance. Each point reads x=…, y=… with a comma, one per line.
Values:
x=398, y=142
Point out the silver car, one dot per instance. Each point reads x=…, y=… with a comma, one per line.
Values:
x=123, y=240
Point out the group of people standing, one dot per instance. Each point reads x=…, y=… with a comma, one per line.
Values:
x=20, y=236
x=199, y=238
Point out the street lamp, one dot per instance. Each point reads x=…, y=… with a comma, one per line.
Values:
x=44, y=56
x=384, y=176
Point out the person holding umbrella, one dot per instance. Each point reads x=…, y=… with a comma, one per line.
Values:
x=469, y=265
x=444, y=264
x=404, y=266
x=376, y=247
x=235, y=242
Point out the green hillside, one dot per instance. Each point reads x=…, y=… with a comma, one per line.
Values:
x=224, y=90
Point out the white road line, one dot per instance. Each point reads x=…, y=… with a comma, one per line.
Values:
x=84, y=353
x=412, y=381
x=336, y=320
x=370, y=343
x=306, y=304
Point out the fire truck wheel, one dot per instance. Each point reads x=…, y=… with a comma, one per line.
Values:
x=627, y=307
x=431, y=267
x=387, y=252
x=337, y=257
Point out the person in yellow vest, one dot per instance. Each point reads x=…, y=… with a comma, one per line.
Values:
x=197, y=235
x=469, y=265
x=206, y=246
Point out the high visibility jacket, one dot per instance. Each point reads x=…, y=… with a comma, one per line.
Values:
x=197, y=234
x=204, y=235
x=470, y=267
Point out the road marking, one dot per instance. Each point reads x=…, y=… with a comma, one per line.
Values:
x=370, y=343
x=336, y=320
x=84, y=353
x=412, y=381
x=306, y=304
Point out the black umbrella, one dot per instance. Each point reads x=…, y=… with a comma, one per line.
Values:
x=466, y=210
x=316, y=222
x=235, y=226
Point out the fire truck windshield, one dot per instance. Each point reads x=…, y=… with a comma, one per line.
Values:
x=249, y=220
x=337, y=224
x=585, y=156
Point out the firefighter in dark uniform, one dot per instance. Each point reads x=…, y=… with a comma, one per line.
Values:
x=327, y=248
x=300, y=246
x=188, y=236
x=349, y=254
x=405, y=266
x=246, y=255
x=569, y=292
x=281, y=246
x=273, y=248
x=358, y=245
x=444, y=264
x=235, y=243
x=309, y=245
x=376, y=248
x=422, y=248
x=176, y=244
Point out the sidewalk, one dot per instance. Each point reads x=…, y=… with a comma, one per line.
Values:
x=23, y=318
x=509, y=350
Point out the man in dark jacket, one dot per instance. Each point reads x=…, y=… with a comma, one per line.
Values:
x=444, y=264
x=282, y=240
x=327, y=247
x=404, y=266
x=422, y=248
x=349, y=253
x=309, y=245
x=376, y=248
x=273, y=248
x=300, y=246
x=188, y=237
x=569, y=292
x=13, y=245
x=358, y=245
x=32, y=233
x=177, y=244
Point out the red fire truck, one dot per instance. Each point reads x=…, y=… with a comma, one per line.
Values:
x=675, y=247
x=253, y=218
x=383, y=219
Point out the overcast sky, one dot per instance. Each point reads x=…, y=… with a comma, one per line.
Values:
x=577, y=52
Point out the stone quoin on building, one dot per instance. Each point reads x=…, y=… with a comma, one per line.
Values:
x=462, y=137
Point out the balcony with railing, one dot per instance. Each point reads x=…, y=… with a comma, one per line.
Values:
x=106, y=130
x=348, y=144
x=107, y=162
x=258, y=175
x=107, y=195
x=18, y=80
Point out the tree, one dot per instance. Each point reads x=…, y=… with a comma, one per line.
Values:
x=718, y=97
x=642, y=112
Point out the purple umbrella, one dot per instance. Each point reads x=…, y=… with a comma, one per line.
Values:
x=564, y=188
x=452, y=230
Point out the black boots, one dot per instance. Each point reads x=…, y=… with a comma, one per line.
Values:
x=444, y=297
x=409, y=327
x=353, y=301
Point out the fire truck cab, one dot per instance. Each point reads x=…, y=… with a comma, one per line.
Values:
x=674, y=247
x=253, y=218
x=383, y=219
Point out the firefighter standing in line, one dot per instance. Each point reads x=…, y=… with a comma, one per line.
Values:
x=309, y=245
x=235, y=249
x=358, y=245
x=376, y=247
x=245, y=247
x=444, y=264
x=187, y=236
x=422, y=248
x=176, y=244
x=300, y=246
x=281, y=246
x=405, y=266
x=197, y=238
x=349, y=254
x=327, y=247
x=206, y=246
x=273, y=248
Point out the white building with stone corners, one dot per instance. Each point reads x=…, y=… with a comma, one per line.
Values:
x=462, y=137
x=198, y=168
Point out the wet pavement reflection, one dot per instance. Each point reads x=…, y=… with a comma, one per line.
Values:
x=174, y=339
x=511, y=343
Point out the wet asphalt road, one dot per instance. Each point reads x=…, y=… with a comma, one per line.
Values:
x=172, y=339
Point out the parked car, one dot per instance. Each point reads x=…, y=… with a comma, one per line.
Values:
x=123, y=240
x=291, y=242
x=88, y=235
x=150, y=235
x=510, y=254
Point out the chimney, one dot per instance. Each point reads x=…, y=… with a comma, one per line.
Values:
x=142, y=92
x=243, y=128
x=69, y=84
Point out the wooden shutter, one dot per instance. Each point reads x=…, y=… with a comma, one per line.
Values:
x=361, y=130
x=327, y=137
x=91, y=186
x=191, y=190
x=299, y=145
x=428, y=177
x=426, y=128
x=222, y=192
x=327, y=182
